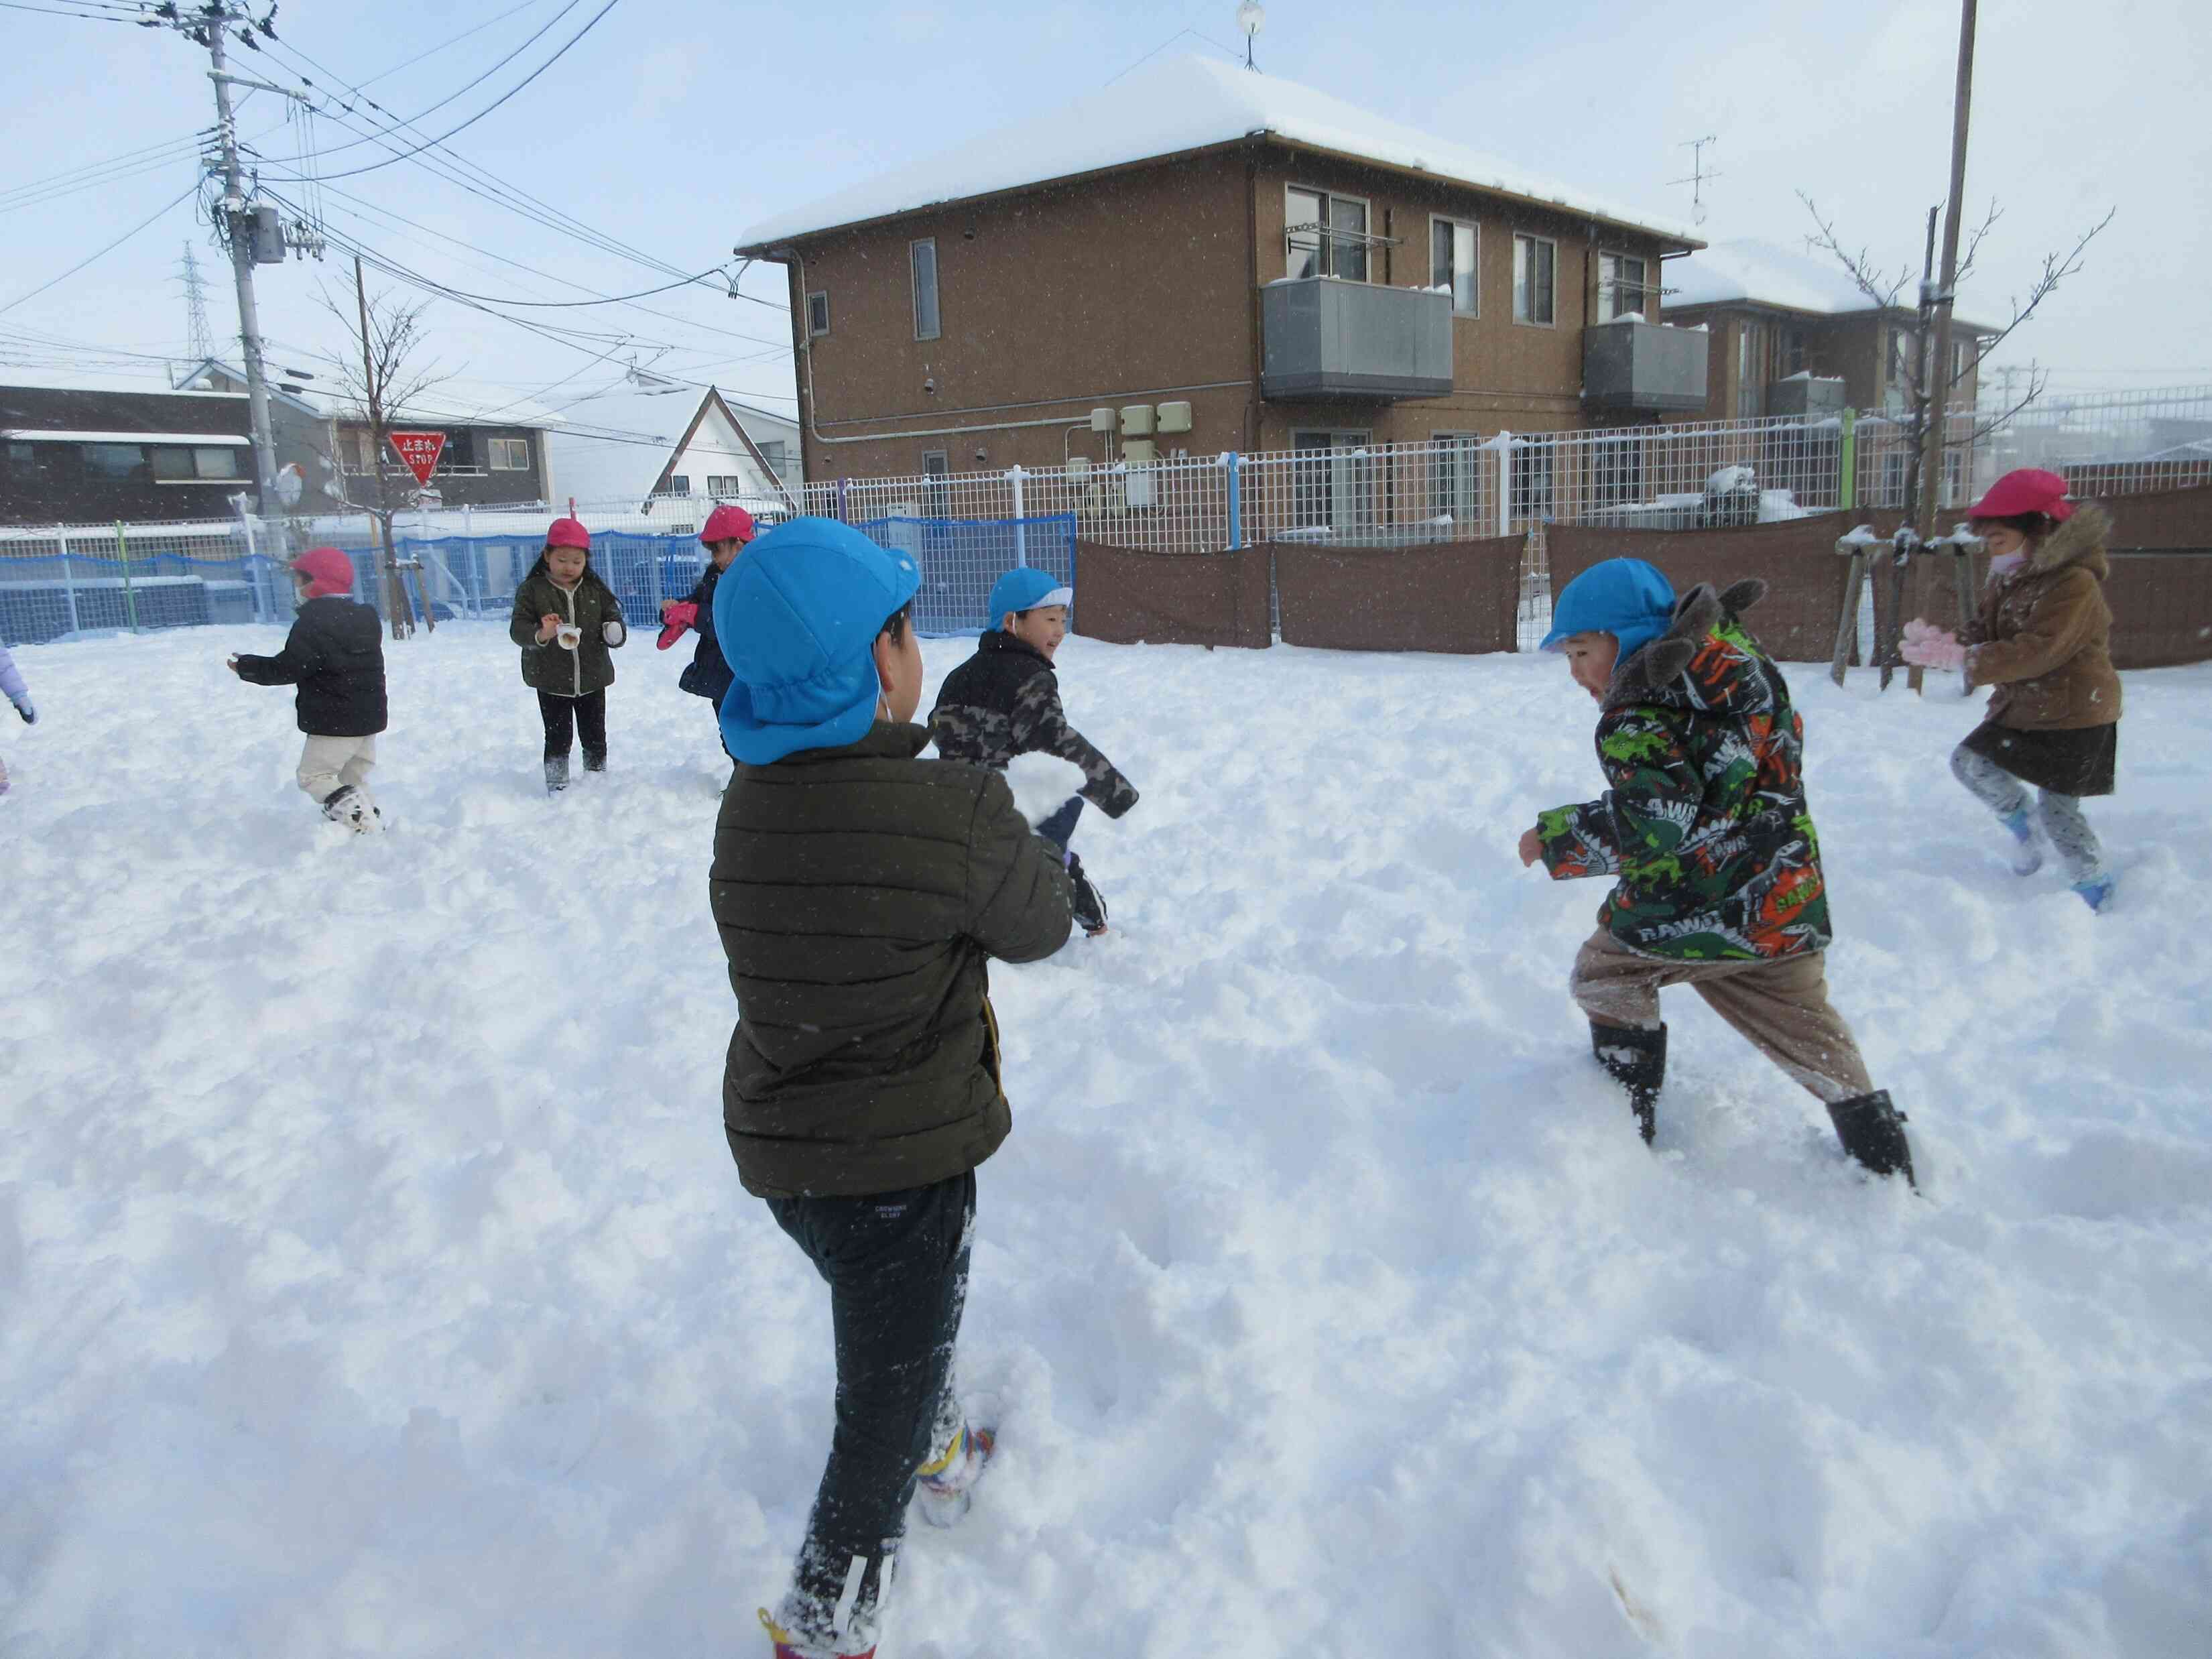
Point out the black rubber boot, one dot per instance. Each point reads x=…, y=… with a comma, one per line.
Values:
x=1873, y=1131
x=595, y=760
x=1088, y=903
x=1636, y=1060
x=556, y=774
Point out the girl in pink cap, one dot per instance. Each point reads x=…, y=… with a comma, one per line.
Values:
x=2041, y=638
x=567, y=621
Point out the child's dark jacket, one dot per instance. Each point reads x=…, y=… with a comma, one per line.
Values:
x=1706, y=825
x=335, y=655
x=1004, y=702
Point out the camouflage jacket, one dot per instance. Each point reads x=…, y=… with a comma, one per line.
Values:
x=1004, y=702
x=1705, y=826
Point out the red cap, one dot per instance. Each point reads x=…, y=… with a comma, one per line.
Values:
x=728, y=524
x=568, y=532
x=328, y=571
x=2030, y=489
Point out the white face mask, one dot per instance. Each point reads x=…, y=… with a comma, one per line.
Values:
x=2006, y=565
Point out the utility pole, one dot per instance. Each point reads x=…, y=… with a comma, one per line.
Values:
x=253, y=235
x=1932, y=455
x=240, y=235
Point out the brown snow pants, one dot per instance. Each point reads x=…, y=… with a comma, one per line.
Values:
x=1780, y=1005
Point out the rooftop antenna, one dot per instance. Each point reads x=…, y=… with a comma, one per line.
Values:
x=1251, y=17
x=1699, y=173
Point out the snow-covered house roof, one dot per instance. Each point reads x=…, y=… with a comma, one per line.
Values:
x=625, y=445
x=1752, y=272
x=1166, y=108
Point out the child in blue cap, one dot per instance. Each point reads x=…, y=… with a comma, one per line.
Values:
x=1004, y=701
x=860, y=892
x=1706, y=830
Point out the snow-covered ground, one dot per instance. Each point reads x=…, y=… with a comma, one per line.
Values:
x=374, y=1280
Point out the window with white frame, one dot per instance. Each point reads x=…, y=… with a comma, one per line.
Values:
x=1455, y=477
x=194, y=466
x=510, y=454
x=1532, y=478
x=680, y=484
x=1324, y=235
x=817, y=313
x=1962, y=360
x=722, y=484
x=776, y=453
x=1535, y=262
x=1624, y=287
x=1454, y=247
x=922, y=256
x=1898, y=371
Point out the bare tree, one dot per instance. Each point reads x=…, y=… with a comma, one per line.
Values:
x=1927, y=386
x=382, y=378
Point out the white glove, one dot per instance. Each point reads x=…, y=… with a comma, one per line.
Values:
x=1926, y=645
x=614, y=633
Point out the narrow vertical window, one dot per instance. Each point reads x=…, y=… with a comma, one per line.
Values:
x=817, y=313
x=1452, y=262
x=924, y=254
x=1534, y=262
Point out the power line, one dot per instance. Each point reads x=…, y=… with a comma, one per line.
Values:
x=49, y=11
x=189, y=191
x=481, y=113
x=287, y=49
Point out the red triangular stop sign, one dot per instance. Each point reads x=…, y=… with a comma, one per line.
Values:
x=419, y=450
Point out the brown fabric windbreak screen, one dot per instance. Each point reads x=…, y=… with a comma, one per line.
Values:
x=1797, y=560
x=1450, y=596
x=2162, y=519
x=1172, y=599
x=2162, y=608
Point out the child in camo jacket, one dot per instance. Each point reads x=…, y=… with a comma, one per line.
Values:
x=1707, y=831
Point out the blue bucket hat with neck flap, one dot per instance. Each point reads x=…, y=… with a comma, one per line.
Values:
x=797, y=619
x=1628, y=599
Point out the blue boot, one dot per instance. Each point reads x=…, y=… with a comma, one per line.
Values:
x=2096, y=890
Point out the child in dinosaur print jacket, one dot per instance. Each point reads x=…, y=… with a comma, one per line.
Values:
x=1706, y=831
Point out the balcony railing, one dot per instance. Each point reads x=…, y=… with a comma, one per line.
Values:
x=1323, y=337
x=1635, y=364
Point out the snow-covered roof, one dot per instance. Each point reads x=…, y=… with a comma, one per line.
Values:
x=206, y=440
x=1764, y=274
x=1165, y=108
x=150, y=384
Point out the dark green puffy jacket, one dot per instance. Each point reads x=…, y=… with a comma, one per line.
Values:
x=860, y=893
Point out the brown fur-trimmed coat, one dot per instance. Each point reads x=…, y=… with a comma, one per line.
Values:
x=2042, y=637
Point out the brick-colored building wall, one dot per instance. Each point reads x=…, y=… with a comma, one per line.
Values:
x=1142, y=286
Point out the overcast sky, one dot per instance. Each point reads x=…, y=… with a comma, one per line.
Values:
x=674, y=123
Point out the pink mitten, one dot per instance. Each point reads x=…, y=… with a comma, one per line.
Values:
x=675, y=622
x=1926, y=645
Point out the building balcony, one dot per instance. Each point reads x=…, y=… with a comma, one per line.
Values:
x=1807, y=396
x=1322, y=338
x=1645, y=367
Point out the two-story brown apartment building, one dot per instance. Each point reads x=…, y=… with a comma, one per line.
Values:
x=1225, y=261
x=1792, y=334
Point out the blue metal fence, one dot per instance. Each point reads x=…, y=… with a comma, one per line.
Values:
x=44, y=598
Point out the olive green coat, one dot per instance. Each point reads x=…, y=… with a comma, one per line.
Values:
x=860, y=893
x=592, y=605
